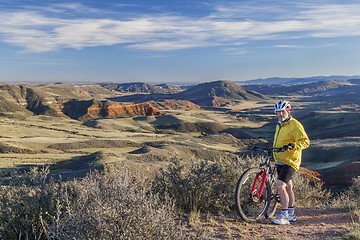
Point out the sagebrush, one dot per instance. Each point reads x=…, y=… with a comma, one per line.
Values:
x=206, y=186
x=24, y=202
x=209, y=186
x=112, y=204
x=310, y=192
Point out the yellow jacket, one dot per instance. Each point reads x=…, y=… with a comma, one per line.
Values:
x=290, y=132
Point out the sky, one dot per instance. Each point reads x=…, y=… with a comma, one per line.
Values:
x=178, y=42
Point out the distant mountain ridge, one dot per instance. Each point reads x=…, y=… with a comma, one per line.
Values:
x=294, y=81
x=306, y=88
x=141, y=87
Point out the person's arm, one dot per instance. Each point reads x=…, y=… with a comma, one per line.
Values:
x=302, y=140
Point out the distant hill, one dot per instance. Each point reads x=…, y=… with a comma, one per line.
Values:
x=354, y=81
x=308, y=88
x=214, y=94
x=171, y=88
x=140, y=87
x=46, y=99
x=95, y=100
x=26, y=100
x=217, y=92
x=294, y=81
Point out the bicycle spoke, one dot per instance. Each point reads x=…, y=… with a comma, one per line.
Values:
x=250, y=205
x=274, y=201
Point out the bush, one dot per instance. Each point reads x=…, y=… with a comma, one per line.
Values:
x=354, y=193
x=350, y=199
x=205, y=186
x=107, y=205
x=26, y=200
x=112, y=205
x=309, y=192
x=210, y=186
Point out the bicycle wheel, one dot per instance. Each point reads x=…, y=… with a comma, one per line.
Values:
x=275, y=198
x=250, y=206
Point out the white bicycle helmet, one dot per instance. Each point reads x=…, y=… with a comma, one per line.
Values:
x=281, y=106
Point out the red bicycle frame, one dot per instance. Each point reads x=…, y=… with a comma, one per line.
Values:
x=262, y=183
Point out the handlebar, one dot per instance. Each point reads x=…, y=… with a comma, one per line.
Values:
x=256, y=148
x=269, y=150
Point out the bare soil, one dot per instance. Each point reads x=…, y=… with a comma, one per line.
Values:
x=311, y=224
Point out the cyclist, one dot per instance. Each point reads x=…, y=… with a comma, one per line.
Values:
x=292, y=138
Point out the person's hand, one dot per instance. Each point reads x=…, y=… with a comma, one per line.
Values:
x=288, y=147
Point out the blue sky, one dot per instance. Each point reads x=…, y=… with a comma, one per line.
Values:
x=187, y=41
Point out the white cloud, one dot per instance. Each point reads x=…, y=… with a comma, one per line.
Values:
x=288, y=46
x=35, y=31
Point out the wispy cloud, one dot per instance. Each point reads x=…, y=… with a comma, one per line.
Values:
x=35, y=30
x=310, y=46
x=288, y=46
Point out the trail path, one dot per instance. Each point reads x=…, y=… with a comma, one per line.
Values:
x=311, y=224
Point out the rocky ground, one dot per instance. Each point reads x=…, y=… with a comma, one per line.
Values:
x=311, y=224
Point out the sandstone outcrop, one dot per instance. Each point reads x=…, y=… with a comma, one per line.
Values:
x=314, y=176
x=91, y=109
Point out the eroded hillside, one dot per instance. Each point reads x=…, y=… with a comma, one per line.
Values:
x=75, y=128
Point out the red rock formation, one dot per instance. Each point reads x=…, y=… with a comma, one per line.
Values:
x=315, y=176
x=119, y=110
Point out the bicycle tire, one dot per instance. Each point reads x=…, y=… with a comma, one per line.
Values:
x=251, y=208
x=275, y=198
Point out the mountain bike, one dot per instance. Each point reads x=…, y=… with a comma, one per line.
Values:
x=256, y=193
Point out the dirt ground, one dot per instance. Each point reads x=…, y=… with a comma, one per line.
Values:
x=311, y=224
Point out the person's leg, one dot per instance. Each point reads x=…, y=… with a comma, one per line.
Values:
x=289, y=189
x=284, y=188
x=283, y=218
x=290, y=192
x=283, y=193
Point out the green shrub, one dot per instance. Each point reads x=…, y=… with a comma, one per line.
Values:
x=210, y=186
x=108, y=205
x=204, y=186
x=310, y=192
x=23, y=202
x=349, y=199
x=354, y=193
x=354, y=233
x=112, y=205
